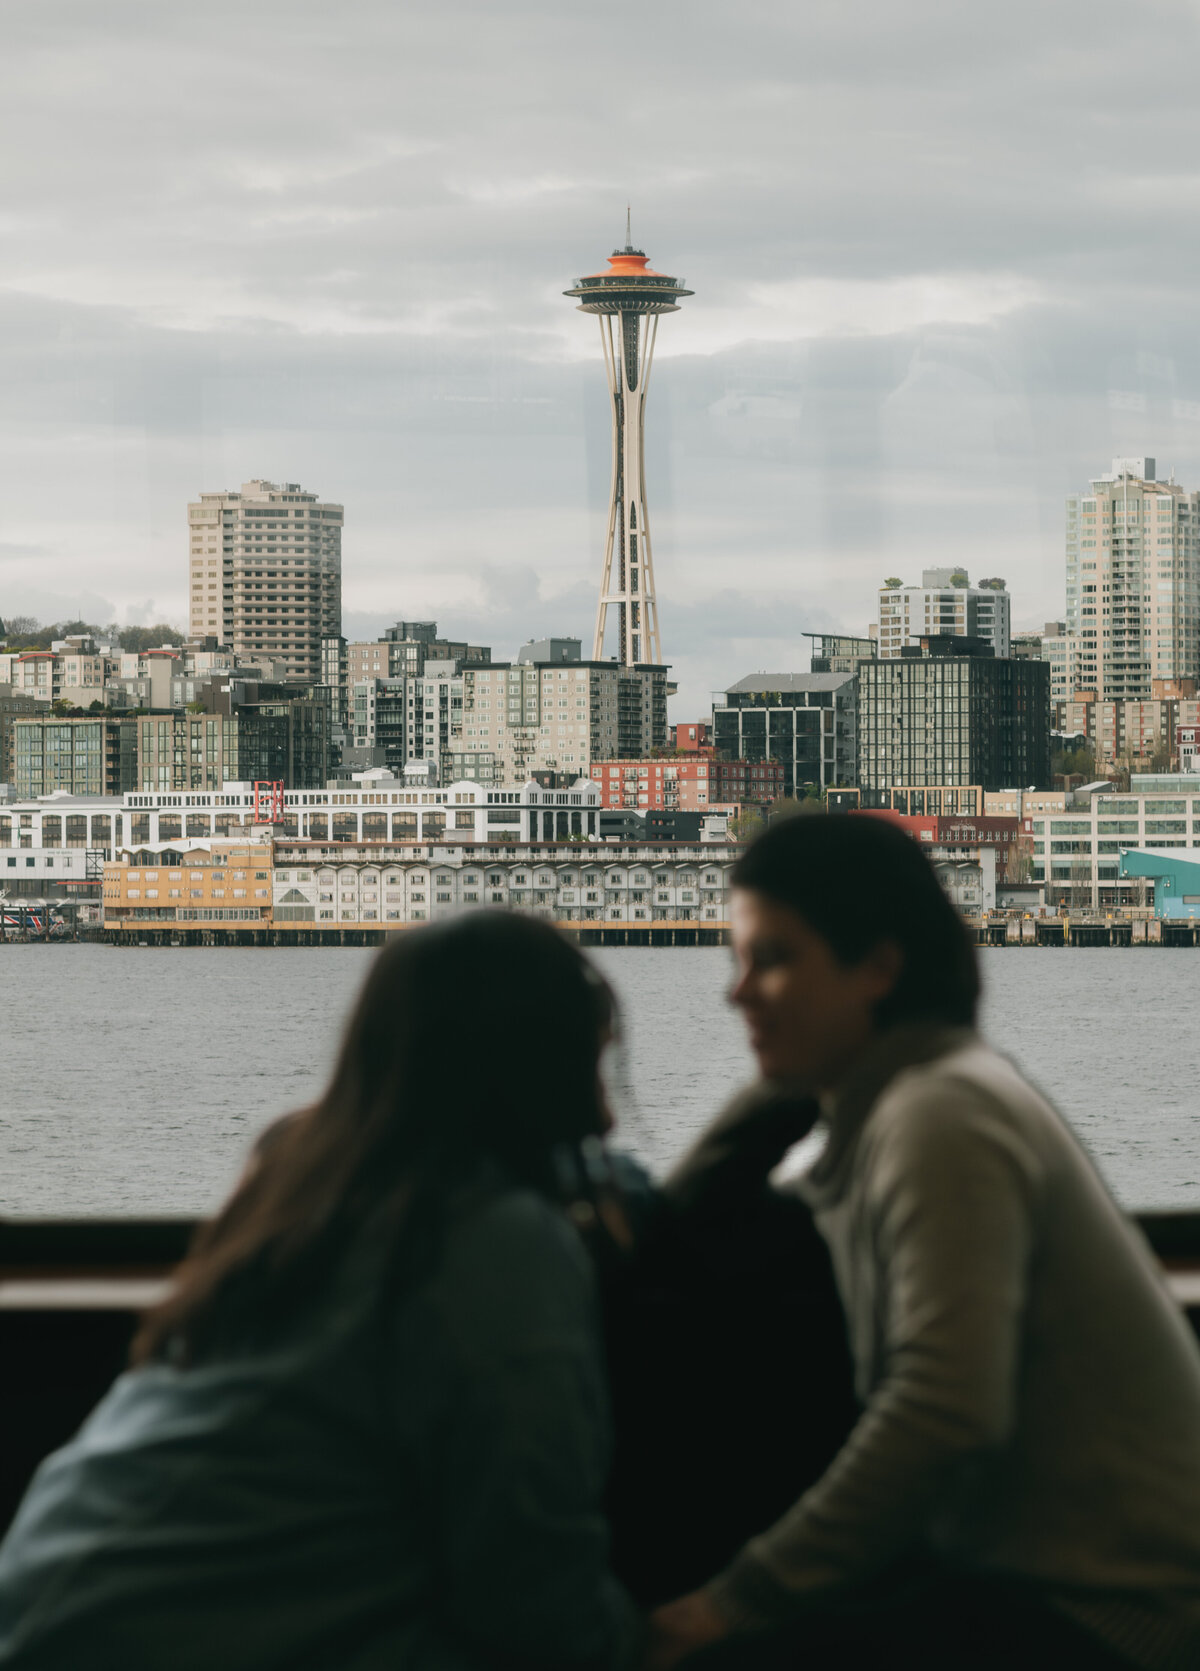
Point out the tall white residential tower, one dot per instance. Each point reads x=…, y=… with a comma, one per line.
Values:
x=1133, y=581
x=628, y=300
x=266, y=573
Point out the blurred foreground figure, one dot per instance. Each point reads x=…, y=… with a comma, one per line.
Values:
x=1023, y=1485
x=368, y=1428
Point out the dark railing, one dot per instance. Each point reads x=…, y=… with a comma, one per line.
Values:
x=71, y=1292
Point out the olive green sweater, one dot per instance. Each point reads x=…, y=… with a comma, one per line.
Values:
x=1031, y=1392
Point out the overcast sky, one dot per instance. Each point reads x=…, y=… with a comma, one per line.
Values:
x=944, y=259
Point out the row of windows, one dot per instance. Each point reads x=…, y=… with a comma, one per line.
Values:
x=372, y=879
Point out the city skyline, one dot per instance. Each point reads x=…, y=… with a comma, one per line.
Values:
x=897, y=358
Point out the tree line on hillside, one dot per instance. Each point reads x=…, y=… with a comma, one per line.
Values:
x=24, y=632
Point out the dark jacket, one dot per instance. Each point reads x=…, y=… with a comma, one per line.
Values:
x=727, y=1351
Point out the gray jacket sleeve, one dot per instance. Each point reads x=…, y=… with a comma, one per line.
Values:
x=946, y=1227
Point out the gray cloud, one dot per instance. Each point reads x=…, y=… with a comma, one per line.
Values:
x=944, y=269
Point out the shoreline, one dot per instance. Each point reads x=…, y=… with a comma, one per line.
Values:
x=1051, y=933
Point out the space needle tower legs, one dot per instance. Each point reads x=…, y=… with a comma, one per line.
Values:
x=628, y=300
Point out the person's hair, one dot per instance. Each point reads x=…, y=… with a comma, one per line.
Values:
x=472, y=1041
x=859, y=881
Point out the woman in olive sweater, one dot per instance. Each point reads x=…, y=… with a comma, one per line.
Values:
x=368, y=1427
x=1023, y=1485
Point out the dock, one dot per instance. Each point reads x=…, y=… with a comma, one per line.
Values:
x=660, y=933
x=1084, y=928
x=1072, y=929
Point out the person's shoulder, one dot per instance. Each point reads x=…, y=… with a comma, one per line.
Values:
x=519, y=1226
x=514, y=1274
x=937, y=1110
x=972, y=1078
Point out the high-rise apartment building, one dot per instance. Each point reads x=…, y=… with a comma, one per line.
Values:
x=401, y=653
x=96, y=755
x=404, y=649
x=1133, y=581
x=642, y=709
x=500, y=722
x=1131, y=731
x=414, y=718
x=333, y=674
x=265, y=567
x=1061, y=649
x=557, y=716
x=14, y=705
x=807, y=721
x=944, y=602
x=524, y=717
x=951, y=715
x=249, y=730
x=839, y=652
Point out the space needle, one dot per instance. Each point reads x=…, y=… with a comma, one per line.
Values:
x=628, y=300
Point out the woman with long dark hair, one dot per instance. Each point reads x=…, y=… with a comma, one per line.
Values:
x=1022, y=1487
x=367, y=1428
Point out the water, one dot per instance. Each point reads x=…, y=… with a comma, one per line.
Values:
x=132, y=1081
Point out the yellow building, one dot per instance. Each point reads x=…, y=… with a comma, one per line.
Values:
x=228, y=883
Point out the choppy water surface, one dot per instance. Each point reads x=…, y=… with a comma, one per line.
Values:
x=132, y=1080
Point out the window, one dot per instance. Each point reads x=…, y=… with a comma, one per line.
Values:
x=912, y=438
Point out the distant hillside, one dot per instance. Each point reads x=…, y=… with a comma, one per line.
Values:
x=23, y=632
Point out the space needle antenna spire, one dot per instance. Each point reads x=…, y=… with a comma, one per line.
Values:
x=628, y=300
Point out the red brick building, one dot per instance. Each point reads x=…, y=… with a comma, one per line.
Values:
x=692, y=736
x=698, y=784
x=962, y=837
